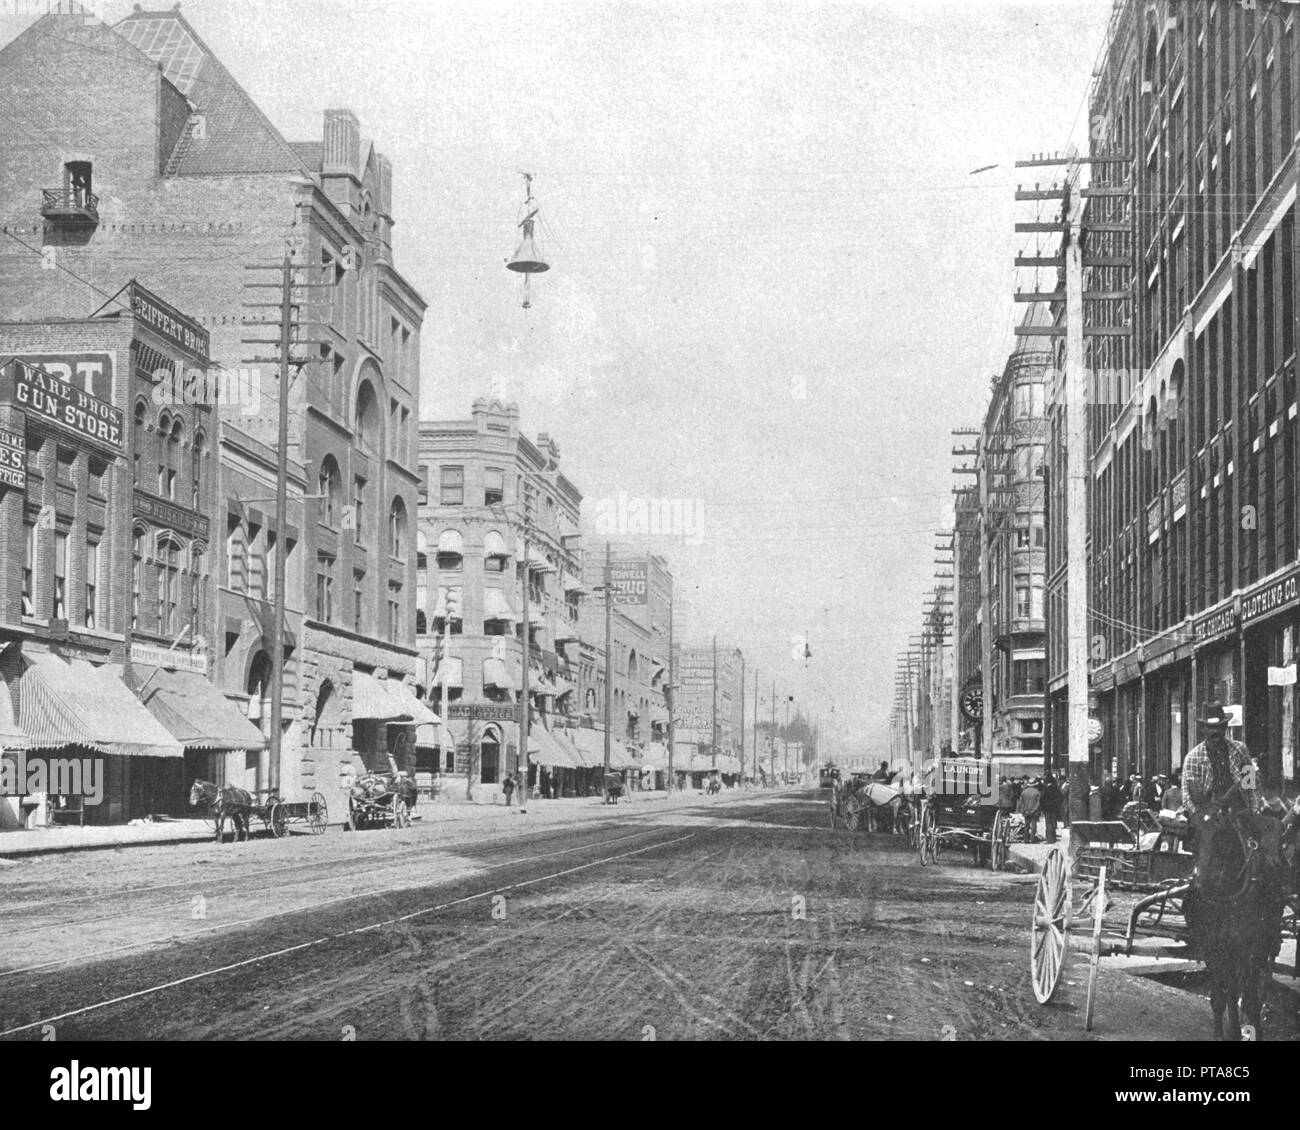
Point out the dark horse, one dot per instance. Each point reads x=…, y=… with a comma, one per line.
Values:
x=224, y=801
x=1234, y=910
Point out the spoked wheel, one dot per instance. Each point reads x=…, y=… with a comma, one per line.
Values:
x=1050, y=928
x=318, y=815
x=278, y=821
x=1001, y=841
x=401, y=814
x=913, y=828
x=852, y=814
x=925, y=837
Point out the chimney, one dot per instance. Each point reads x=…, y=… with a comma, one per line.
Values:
x=342, y=143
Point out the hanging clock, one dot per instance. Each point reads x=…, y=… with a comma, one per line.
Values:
x=971, y=702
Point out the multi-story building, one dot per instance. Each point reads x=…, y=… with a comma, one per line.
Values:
x=708, y=705
x=143, y=158
x=1194, y=575
x=499, y=514
x=1012, y=523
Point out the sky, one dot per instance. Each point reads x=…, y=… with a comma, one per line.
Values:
x=776, y=281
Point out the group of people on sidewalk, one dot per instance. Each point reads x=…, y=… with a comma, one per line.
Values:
x=1033, y=798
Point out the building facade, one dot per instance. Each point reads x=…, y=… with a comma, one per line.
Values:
x=154, y=160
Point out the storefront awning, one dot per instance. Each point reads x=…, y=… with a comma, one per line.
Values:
x=73, y=703
x=371, y=700
x=497, y=674
x=193, y=711
x=432, y=736
x=497, y=607
x=545, y=749
x=451, y=672
x=591, y=744
x=415, y=710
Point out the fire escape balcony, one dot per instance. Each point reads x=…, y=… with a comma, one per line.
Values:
x=68, y=205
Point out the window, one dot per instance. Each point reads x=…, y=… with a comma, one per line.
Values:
x=137, y=444
x=196, y=473
x=324, y=587
x=1040, y=535
x=98, y=473
x=92, y=583
x=67, y=465
x=236, y=574
x=168, y=585
x=1022, y=533
x=59, y=610
x=29, y=568
x=358, y=498
x=328, y=483
x=453, y=486
x=77, y=183
x=137, y=576
x=1036, y=598
x=358, y=601
x=1022, y=596
x=397, y=530
x=494, y=486
x=1027, y=676
x=395, y=613
x=451, y=548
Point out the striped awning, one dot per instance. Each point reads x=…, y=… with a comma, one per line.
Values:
x=591, y=744
x=545, y=749
x=497, y=674
x=451, y=672
x=73, y=703
x=371, y=700
x=193, y=711
x=497, y=607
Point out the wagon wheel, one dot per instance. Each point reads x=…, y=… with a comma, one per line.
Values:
x=913, y=828
x=401, y=814
x=903, y=822
x=1094, y=951
x=317, y=814
x=1001, y=840
x=925, y=838
x=276, y=819
x=852, y=814
x=1049, y=936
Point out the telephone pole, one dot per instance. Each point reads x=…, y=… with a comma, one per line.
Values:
x=609, y=655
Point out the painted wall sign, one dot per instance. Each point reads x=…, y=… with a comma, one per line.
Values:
x=13, y=459
x=629, y=582
x=172, y=659
x=168, y=514
x=483, y=712
x=1215, y=624
x=47, y=397
x=91, y=372
x=168, y=322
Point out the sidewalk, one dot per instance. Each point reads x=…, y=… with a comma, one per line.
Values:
x=443, y=809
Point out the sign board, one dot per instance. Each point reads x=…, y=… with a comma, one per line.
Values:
x=168, y=322
x=1282, y=676
x=46, y=396
x=171, y=659
x=13, y=460
x=1215, y=624
x=1271, y=597
x=168, y=514
x=629, y=582
x=483, y=712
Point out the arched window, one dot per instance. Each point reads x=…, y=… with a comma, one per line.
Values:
x=137, y=443
x=327, y=722
x=632, y=666
x=451, y=550
x=331, y=490
x=1149, y=443
x=366, y=421
x=196, y=472
x=169, y=562
x=397, y=530
x=496, y=558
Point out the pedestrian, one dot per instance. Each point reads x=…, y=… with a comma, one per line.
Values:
x=1050, y=802
x=1006, y=795
x=1030, y=806
x=1064, y=780
x=1111, y=797
x=508, y=787
x=1151, y=794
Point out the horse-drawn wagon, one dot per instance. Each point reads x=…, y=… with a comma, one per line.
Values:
x=239, y=807
x=960, y=811
x=381, y=800
x=861, y=800
x=1227, y=905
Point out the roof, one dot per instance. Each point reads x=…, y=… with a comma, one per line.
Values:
x=195, y=712
x=236, y=137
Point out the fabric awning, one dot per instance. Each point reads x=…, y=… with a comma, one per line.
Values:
x=545, y=749
x=538, y=563
x=195, y=712
x=591, y=744
x=412, y=708
x=434, y=736
x=497, y=607
x=451, y=672
x=538, y=681
x=74, y=703
x=371, y=700
x=497, y=674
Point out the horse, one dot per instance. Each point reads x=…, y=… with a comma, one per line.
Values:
x=1233, y=910
x=877, y=798
x=223, y=801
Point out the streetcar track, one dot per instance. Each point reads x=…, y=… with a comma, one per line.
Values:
x=355, y=931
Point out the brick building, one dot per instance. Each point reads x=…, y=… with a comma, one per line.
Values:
x=1195, y=592
x=131, y=152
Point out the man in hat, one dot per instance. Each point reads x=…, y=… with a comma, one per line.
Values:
x=1214, y=766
